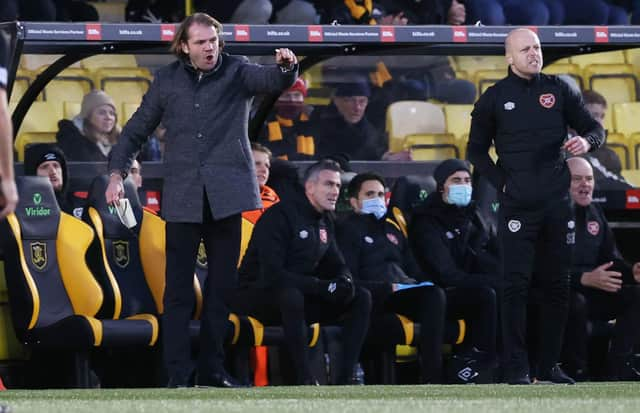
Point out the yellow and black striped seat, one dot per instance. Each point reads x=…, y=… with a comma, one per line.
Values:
x=54, y=296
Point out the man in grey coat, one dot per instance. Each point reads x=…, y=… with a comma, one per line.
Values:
x=203, y=100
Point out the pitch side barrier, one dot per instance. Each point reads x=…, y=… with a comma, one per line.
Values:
x=75, y=41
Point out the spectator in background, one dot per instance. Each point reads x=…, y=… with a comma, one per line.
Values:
x=342, y=128
x=284, y=132
x=508, y=12
x=135, y=172
x=590, y=12
x=154, y=11
x=91, y=134
x=47, y=10
x=262, y=162
x=603, y=285
x=260, y=11
x=605, y=161
x=45, y=159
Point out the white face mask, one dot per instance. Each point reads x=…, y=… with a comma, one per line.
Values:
x=375, y=206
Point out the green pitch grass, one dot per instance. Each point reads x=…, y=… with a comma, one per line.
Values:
x=582, y=398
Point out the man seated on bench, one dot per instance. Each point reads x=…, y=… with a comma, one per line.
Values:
x=450, y=241
x=293, y=273
x=378, y=255
x=603, y=285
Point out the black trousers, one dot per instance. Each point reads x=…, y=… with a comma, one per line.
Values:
x=295, y=310
x=431, y=306
x=536, y=247
x=597, y=305
x=222, y=243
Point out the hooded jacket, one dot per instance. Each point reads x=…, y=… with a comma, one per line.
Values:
x=451, y=244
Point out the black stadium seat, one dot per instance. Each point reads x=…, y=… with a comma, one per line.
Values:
x=54, y=296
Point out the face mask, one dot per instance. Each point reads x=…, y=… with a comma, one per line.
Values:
x=374, y=206
x=289, y=110
x=459, y=195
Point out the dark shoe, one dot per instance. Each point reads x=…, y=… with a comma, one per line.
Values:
x=219, y=380
x=622, y=368
x=554, y=376
x=519, y=380
x=176, y=382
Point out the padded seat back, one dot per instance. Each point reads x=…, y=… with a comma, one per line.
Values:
x=409, y=192
x=47, y=276
x=119, y=252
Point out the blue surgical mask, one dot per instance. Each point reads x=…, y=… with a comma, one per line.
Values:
x=375, y=206
x=459, y=195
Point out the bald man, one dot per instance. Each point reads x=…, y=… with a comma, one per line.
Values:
x=603, y=285
x=8, y=191
x=525, y=116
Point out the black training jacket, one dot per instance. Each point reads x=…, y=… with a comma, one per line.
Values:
x=292, y=245
x=452, y=245
x=377, y=253
x=527, y=121
x=595, y=245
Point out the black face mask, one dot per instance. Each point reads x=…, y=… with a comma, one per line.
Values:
x=289, y=110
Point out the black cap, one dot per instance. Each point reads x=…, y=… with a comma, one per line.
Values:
x=38, y=153
x=353, y=88
x=448, y=168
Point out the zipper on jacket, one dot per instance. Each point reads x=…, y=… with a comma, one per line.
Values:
x=200, y=76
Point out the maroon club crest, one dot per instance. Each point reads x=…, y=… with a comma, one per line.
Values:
x=547, y=100
x=323, y=235
x=392, y=238
x=593, y=227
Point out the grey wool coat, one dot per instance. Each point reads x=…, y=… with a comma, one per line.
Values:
x=207, y=147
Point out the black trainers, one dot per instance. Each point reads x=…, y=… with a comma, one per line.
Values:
x=519, y=380
x=554, y=376
x=622, y=368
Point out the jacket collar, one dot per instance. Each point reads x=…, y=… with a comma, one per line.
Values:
x=191, y=69
x=520, y=80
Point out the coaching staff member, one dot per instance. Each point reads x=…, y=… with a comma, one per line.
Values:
x=203, y=99
x=526, y=116
x=294, y=274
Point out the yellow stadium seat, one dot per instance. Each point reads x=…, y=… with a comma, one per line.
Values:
x=410, y=117
x=616, y=82
x=485, y=78
x=42, y=117
x=458, y=119
x=28, y=138
x=570, y=69
x=429, y=147
x=20, y=84
x=126, y=85
x=128, y=109
x=632, y=56
x=584, y=60
x=634, y=144
x=619, y=144
x=71, y=109
x=626, y=117
x=36, y=62
x=70, y=84
x=471, y=64
x=100, y=61
x=632, y=176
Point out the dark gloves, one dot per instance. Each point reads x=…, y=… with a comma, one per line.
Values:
x=338, y=290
